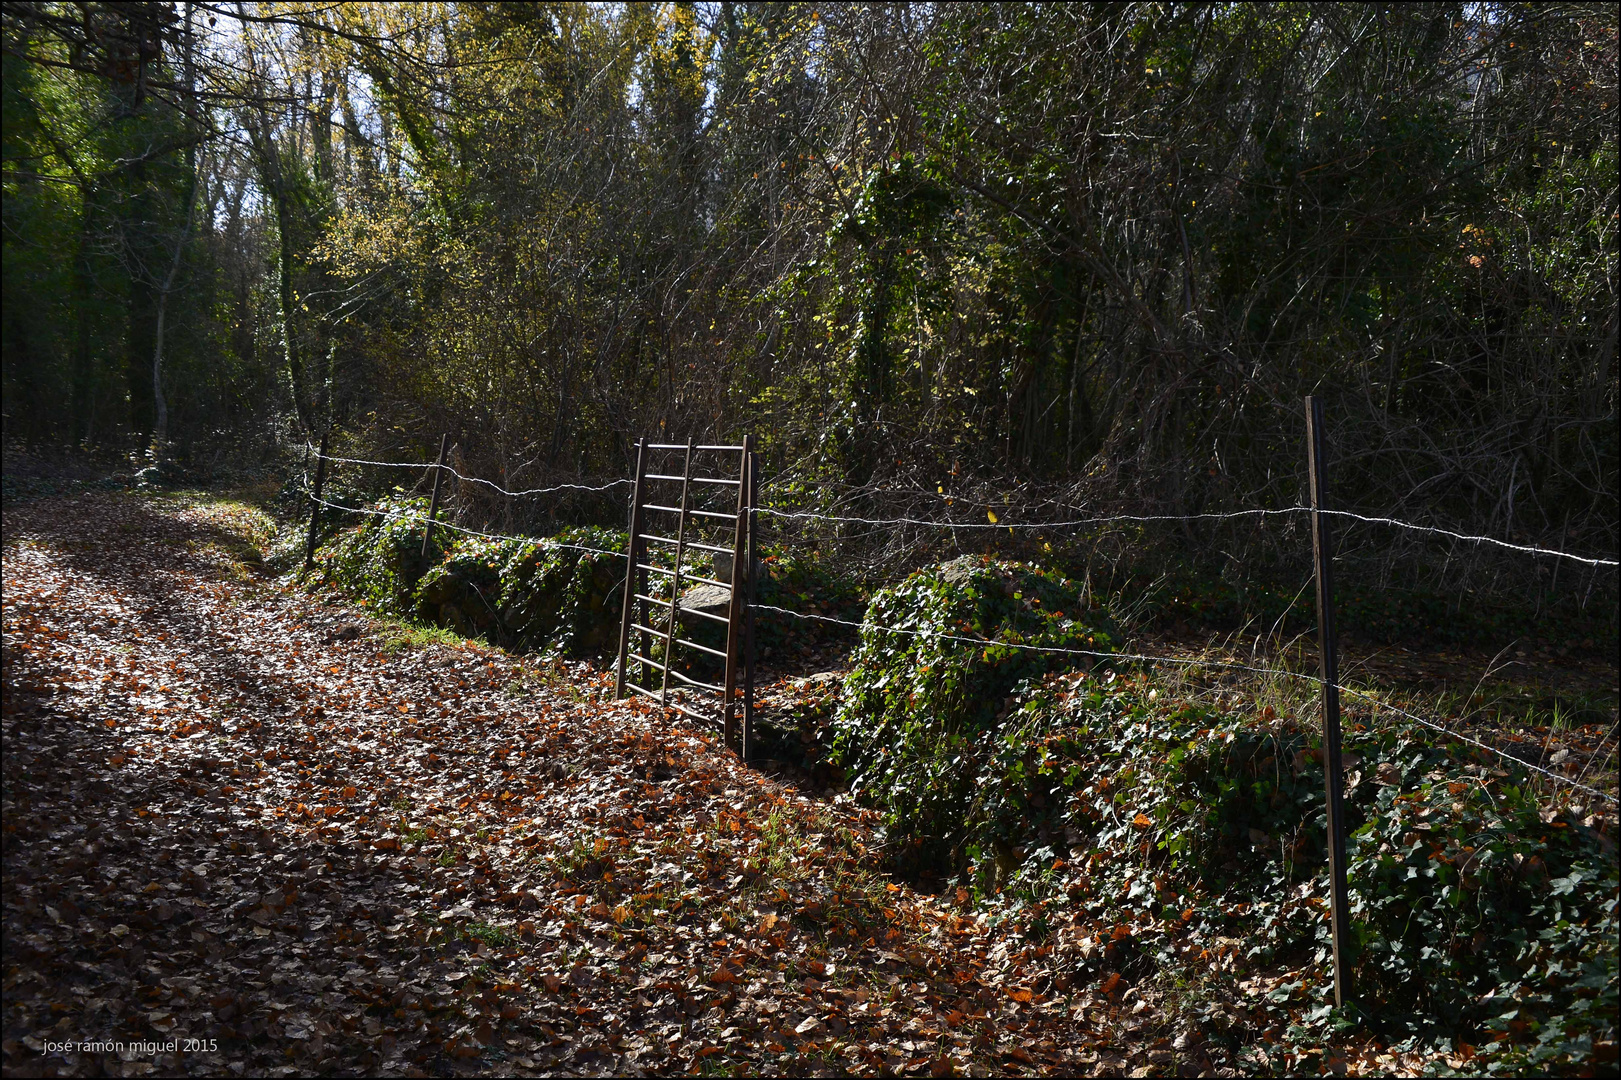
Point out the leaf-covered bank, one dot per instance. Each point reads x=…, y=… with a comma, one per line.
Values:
x=1164, y=848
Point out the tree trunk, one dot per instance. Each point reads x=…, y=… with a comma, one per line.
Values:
x=160, y=431
x=83, y=358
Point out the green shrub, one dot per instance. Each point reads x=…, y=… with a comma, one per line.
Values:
x=1475, y=905
x=560, y=599
x=1477, y=913
x=549, y=595
x=920, y=711
x=379, y=561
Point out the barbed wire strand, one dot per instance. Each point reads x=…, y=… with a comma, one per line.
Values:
x=1484, y=746
x=1103, y=653
x=475, y=479
x=1529, y=549
x=1111, y=518
x=1222, y=664
x=416, y=516
x=805, y=514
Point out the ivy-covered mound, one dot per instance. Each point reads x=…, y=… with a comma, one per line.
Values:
x=1191, y=843
x=560, y=595
x=378, y=561
x=921, y=711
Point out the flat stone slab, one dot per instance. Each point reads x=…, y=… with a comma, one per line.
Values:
x=712, y=598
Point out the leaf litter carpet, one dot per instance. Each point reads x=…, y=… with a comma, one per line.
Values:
x=242, y=836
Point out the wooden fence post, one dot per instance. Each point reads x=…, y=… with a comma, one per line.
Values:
x=1340, y=908
x=433, y=500
x=315, y=500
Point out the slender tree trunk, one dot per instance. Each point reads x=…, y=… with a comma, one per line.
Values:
x=264, y=144
x=142, y=309
x=160, y=430
x=83, y=360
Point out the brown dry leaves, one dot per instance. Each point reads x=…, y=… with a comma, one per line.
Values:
x=231, y=818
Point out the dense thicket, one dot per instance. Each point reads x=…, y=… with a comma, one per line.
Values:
x=1096, y=250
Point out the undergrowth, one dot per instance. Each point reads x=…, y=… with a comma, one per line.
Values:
x=920, y=711
x=1479, y=914
x=557, y=596
x=1151, y=840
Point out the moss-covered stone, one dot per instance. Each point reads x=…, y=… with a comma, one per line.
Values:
x=563, y=595
x=559, y=595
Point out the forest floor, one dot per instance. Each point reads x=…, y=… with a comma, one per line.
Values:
x=247, y=830
x=265, y=834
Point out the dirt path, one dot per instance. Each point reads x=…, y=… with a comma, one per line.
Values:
x=234, y=823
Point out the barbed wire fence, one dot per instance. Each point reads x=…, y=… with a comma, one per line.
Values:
x=912, y=523
x=1327, y=682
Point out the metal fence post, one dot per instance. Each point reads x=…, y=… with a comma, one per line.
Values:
x=433, y=501
x=631, y=547
x=735, y=612
x=315, y=500
x=748, y=611
x=1340, y=908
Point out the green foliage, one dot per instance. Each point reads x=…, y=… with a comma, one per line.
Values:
x=379, y=561
x=563, y=600
x=1474, y=905
x=1477, y=913
x=921, y=711
x=551, y=596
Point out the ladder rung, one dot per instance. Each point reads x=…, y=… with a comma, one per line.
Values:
x=660, y=539
x=633, y=657
x=682, y=709
x=695, y=682
x=699, y=513
x=649, y=630
x=656, y=600
x=706, y=580
x=709, y=547
x=684, y=577
x=683, y=446
x=723, y=620
x=700, y=648
x=694, y=479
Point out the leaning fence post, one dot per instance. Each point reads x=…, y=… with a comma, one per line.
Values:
x=1340, y=909
x=433, y=500
x=315, y=500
